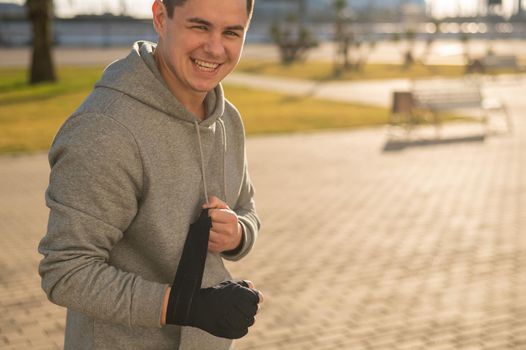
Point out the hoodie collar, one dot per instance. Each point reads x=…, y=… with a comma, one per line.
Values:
x=137, y=76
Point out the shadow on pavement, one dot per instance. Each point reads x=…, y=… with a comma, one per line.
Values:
x=400, y=145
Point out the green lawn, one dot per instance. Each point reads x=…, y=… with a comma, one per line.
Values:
x=31, y=115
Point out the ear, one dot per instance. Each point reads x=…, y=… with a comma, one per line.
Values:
x=159, y=17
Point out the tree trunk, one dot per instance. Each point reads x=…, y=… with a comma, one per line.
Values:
x=339, y=36
x=40, y=13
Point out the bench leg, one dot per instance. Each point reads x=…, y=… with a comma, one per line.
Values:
x=438, y=125
x=400, y=122
x=484, y=119
x=507, y=115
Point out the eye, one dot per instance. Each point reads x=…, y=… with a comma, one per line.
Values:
x=232, y=33
x=202, y=28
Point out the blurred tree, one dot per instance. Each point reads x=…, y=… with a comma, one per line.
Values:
x=408, y=46
x=464, y=39
x=353, y=44
x=123, y=8
x=409, y=58
x=364, y=49
x=432, y=36
x=342, y=40
x=293, y=39
x=472, y=65
x=40, y=14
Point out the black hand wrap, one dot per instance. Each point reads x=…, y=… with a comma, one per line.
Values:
x=225, y=310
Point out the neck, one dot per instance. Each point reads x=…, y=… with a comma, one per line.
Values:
x=192, y=101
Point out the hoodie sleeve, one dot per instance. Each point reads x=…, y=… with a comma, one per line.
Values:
x=93, y=195
x=246, y=212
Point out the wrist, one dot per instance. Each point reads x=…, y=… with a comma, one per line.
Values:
x=165, y=306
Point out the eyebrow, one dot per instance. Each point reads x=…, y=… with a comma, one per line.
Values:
x=207, y=23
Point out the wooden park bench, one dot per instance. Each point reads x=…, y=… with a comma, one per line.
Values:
x=493, y=62
x=429, y=100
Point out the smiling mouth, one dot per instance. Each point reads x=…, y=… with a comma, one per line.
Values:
x=205, y=66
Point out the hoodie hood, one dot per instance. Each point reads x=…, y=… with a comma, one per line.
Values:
x=137, y=76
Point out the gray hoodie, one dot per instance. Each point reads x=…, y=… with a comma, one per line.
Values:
x=126, y=182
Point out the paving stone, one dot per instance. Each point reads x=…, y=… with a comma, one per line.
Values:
x=422, y=248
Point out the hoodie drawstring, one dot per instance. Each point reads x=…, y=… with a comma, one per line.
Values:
x=202, y=160
x=223, y=140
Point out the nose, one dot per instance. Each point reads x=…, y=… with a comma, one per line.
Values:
x=214, y=46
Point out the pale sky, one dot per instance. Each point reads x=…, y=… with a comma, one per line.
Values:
x=142, y=8
x=445, y=8
x=68, y=8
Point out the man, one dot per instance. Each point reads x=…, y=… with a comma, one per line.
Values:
x=153, y=146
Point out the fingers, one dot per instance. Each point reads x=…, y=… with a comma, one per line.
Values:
x=217, y=242
x=223, y=216
x=215, y=203
x=219, y=227
x=249, y=284
x=226, y=232
x=261, y=297
x=214, y=247
x=248, y=309
x=246, y=284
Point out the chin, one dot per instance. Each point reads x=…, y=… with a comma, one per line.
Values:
x=205, y=87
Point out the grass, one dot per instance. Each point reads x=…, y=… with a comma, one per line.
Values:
x=269, y=112
x=31, y=115
x=323, y=71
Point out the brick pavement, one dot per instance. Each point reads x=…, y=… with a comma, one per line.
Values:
x=423, y=248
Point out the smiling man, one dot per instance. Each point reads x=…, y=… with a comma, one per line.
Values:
x=151, y=163
x=200, y=43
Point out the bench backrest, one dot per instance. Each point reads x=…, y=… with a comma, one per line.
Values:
x=446, y=94
x=501, y=61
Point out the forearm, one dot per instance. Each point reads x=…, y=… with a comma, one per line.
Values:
x=94, y=188
x=76, y=274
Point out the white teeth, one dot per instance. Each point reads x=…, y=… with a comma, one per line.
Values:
x=208, y=66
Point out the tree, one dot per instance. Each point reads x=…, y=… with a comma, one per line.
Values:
x=40, y=14
x=430, y=40
x=342, y=40
x=464, y=39
x=123, y=7
x=407, y=39
x=293, y=40
x=409, y=58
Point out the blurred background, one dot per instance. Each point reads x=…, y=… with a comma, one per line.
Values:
x=386, y=141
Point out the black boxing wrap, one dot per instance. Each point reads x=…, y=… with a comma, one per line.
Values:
x=225, y=310
x=189, y=276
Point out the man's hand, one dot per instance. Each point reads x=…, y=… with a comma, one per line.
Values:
x=244, y=283
x=226, y=230
x=226, y=310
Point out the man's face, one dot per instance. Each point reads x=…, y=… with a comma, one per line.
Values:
x=202, y=42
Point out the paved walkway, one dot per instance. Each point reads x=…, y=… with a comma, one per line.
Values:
x=443, y=52
x=421, y=248
x=369, y=92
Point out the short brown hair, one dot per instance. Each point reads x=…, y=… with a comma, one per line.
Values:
x=171, y=4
